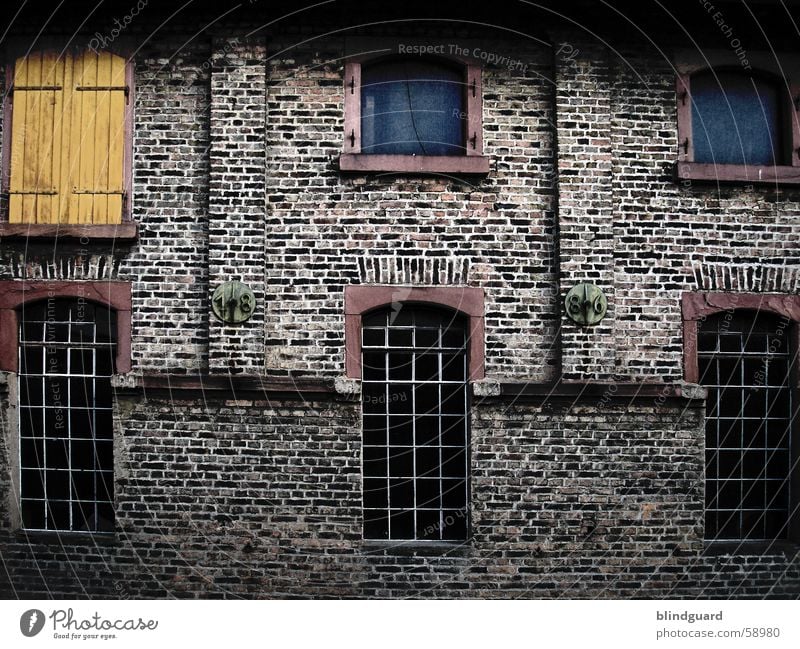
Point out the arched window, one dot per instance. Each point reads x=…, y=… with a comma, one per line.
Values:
x=744, y=360
x=67, y=350
x=415, y=422
x=737, y=119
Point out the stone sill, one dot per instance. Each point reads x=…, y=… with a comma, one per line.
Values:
x=342, y=388
x=416, y=548
x=725, y=173
x=788, y=549
x=467, y=164
x=226, y=386
x=48, y=537
x=628, y=391
x=120, y=232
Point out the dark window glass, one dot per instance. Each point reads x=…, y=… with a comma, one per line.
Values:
x=736, y=119
x=412, y=107
x=66, y=352
x=415, y=425
x=748, y=419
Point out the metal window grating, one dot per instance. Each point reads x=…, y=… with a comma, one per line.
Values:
x=745, y=362
x=414, y=395
x=66, y=359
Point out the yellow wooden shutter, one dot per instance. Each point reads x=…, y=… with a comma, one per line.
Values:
x=37, y=115
x=67, y=140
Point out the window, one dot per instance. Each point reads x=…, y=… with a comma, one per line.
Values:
x=744, y=360
x=742, y=351
x=737, y=125
x=412, y=108
x=736, y=119
x=67, y=349
x=68, y=155
x=415, y=115
x=64, y=340
x=414, y=387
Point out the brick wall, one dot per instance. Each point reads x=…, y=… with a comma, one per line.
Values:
x=250, y=497
x=258, y=494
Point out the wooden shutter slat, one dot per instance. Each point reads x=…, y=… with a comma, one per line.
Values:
x=73, y=213
x=44, y=177
x=55, y=150
x=116, y=145
x=100, y=180
x=32, y=120
x=62, y=210
x=18, y=129
x=88, y=122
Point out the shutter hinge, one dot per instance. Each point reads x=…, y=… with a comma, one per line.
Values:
x=90, y=88
x=474, y=86
x=685, y=146
x=684, y=95
x=29, y=88
x=98, y=88
x=41, y=192
x=352, y=137
x=76, y=190
x=474, y=139
x=352, y=85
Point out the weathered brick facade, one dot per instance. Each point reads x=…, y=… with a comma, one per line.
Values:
x=238, y=448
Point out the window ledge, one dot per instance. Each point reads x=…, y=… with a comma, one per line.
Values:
x=52, y=537
x=751, y=548
x=414, y=548
x=766, y=175
x=127, y=231
x=468, y=164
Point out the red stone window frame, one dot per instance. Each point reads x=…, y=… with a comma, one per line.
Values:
x=473, y=162
x=13, y=294
x=359, y=300
x=126, y=230
x=695, y=307
x=787, y=77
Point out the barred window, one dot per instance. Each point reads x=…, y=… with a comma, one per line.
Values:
x=415, y=424
x=745, y=361
x=66, y=358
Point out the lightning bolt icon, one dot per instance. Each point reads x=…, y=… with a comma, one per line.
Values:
x=32, y=621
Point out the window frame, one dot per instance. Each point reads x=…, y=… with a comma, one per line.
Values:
x=127, y=229
x=787, y=79
x=353, y=160
x=361, y=299
x=14, y=294
x=695, y=307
